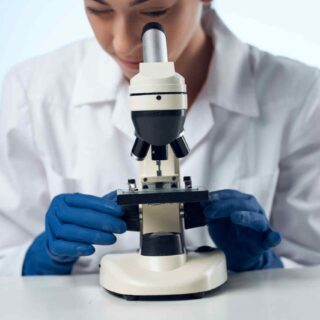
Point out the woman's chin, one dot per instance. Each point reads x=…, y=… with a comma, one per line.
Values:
x=129, y=74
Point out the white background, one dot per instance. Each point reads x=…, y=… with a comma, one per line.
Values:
x=287, y=27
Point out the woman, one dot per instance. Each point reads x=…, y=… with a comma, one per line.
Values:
x=66, y=136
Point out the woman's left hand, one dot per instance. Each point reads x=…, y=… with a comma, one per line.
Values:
x=238, y=226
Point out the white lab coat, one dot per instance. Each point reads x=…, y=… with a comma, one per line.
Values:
x=65, y=127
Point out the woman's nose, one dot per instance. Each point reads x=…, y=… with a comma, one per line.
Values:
x=125, y=39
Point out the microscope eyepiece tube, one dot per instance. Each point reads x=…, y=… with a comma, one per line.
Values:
x=154, y=43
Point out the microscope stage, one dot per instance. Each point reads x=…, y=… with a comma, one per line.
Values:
x=161, y=196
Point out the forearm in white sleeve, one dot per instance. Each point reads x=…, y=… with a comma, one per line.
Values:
x=296, y=209
x=23, y=194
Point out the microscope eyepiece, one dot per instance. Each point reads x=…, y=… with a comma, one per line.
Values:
x=151, y=25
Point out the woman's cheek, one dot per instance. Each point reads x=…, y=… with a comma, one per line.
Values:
x=104, y=38
x=176, y=43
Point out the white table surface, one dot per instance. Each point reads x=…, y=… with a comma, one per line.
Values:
x=270, y=294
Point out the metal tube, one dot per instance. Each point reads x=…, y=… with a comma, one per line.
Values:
x=154, y=43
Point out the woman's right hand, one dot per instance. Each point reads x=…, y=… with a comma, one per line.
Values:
x=74, y=223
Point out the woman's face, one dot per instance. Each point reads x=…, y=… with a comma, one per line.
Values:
x=118, y=25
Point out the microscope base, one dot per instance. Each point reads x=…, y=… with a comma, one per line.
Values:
x=128, y=274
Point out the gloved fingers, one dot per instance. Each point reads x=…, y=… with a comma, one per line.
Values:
x=61, y=249
x=90, y=219
x=227, y=194
x=224, y=208
x=212, y=214
x=73, y=233
x=104, y=205
x=272, y=239
x=250, y=219
x=112, y=196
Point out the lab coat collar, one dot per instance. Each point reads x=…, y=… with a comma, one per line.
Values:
x=230, y=82
x=98, y=77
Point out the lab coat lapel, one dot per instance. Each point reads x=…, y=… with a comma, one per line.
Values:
x=100, y=82
x=97, y=79
x=121, y=117
x=199, y=121
x=230, y=82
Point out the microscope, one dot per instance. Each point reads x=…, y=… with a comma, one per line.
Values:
x=161, y=207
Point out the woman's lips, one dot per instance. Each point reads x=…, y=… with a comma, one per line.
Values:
x=132, y=65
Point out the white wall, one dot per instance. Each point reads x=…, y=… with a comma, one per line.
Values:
x=32, y=27
x=287, y=27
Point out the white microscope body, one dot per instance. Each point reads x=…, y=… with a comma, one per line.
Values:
x=160, y=210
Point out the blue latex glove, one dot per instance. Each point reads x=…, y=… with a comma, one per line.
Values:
x=74, y=222
x=238, y=226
